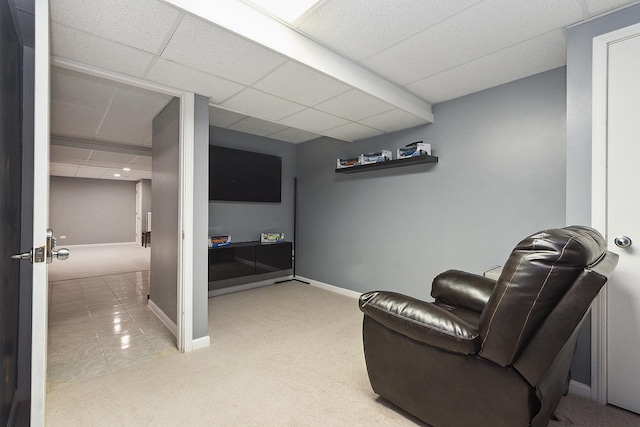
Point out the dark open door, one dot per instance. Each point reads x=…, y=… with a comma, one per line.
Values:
x=16, y=135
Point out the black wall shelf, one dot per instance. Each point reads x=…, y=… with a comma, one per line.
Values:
x=397, y=163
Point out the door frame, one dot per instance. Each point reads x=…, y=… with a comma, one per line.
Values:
x=184, y=339
x=599, y=163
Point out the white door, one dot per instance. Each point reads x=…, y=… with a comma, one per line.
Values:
x=40, y=212
x=623, y=221
x=139, y=213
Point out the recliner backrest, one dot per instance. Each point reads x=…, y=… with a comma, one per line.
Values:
x=536, y=276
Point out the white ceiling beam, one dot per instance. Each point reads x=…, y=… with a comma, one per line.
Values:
x=99, y=146
x=254, y=25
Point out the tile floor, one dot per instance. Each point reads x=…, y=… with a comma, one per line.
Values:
x=99, y=325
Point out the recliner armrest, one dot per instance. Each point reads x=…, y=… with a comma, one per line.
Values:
x=463, y=290
x=421, y=321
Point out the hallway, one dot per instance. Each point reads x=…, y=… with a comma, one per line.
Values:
x=101, y=324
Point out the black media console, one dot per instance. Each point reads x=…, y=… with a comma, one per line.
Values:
x=246, y=262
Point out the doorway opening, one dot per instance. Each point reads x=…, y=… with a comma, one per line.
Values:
x=101, y=136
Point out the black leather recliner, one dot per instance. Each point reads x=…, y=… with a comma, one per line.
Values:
x=485, y=352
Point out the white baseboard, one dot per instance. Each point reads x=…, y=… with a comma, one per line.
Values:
x=247, y=286
x=331, y=288
x=201, y=342
x=579, y=389
x=163, y=317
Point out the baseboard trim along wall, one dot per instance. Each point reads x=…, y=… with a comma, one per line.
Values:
x=201, y=342
x=247, y=286
x=579, y=389
x=331, y=288
x=163, y=317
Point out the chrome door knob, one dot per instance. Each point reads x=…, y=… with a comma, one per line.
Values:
x=622, y=241
x=61, y=254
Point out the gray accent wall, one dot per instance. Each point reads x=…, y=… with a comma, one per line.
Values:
x=501, y=177
x=201, y=218
x=92, y=211
x=164, y=207
x=579, y=93
x=244, y=221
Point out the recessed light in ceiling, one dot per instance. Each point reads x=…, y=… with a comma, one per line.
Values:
x=286, y=10
x=126, y=169
x=116, y=174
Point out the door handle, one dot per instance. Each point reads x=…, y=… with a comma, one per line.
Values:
x=25, y=255
x=47, y=252
x=61, y=254
x=622, y=241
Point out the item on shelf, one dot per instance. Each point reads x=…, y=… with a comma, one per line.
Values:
x=380, y=156
x=414, y=149
x=271, y=237
x=220, y=240
x=348, y=163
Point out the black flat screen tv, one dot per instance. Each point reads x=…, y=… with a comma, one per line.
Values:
x=244, y=176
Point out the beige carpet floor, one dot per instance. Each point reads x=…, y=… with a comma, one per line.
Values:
x=283, y=355
x=100, y=260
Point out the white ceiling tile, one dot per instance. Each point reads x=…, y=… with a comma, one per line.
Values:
x=255, y=126
x=596, y=7
x=90, y=50
x=354, y=105
x=139, y=104
x=510, y=64
x=63, y=169
x=392, y=121
x=294, y=135
x=262, y=105
x=485, y=28
x=59, y=154
x=143, y=24
x=301, y=84
x=313, y=120
x=123, y=129
x=223, y=118
x=76, y=88
x=74, y=121
x=353, y=131
x=208, y=48
x=360, y=28
x=176, y=75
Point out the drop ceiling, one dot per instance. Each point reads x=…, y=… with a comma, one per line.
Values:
x=393, y=60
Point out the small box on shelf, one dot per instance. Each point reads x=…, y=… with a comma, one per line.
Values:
x=348, y=163
x=271, y=237
x=219, y=240
x=380, y=156
x=413, y=150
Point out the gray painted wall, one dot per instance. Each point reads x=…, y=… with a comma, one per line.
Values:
x=579, y=69
x=201, y=219
x=246, y=220
x=90, y=211
x=164, y=207
x=501, y=177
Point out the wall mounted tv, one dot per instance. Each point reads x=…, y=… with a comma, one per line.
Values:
x=244, y=176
